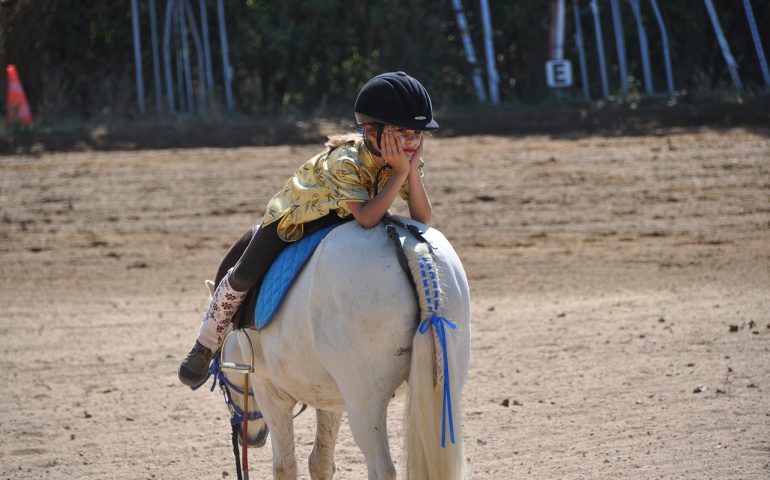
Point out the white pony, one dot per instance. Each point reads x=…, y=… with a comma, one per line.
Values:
x=344, y=339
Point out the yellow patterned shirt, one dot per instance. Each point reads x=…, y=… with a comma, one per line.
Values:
x=325, y=184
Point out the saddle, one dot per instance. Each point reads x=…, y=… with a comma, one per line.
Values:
x=256, y=312
x=263, y=299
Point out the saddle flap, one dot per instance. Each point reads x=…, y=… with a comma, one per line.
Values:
x=282, y=273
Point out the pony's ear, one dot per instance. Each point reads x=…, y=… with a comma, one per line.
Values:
x=210, y=287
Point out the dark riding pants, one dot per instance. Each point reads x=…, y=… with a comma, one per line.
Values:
x=264, y=247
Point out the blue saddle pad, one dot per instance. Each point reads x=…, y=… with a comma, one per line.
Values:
x=281, y=274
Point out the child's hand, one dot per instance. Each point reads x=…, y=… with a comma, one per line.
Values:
x=414, y=163
x=393, y=153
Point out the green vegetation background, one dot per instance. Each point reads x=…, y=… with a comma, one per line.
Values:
x=76, y=59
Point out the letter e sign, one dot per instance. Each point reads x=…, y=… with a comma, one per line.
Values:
x=558, y=73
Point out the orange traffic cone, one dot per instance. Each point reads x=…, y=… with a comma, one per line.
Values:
x=18, y=108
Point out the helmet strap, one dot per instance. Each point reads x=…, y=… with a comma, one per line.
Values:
x=375, y=150
x=380, y=129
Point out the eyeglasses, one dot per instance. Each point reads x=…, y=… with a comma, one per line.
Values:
x=401, y=132
x=405, y=132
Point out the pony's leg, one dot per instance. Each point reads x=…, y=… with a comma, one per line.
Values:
x=282, y=441
x=277, y=411
x=368, y=423
x=321, y=461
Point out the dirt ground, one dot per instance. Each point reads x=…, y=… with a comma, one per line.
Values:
x=621, y=305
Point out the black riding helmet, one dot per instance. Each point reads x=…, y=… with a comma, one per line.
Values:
x=397, y=99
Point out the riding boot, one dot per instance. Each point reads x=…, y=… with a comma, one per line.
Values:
x=224, y=303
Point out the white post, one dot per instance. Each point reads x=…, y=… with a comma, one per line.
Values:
x=757, y=41
x=644, y=50
x=167, y=28
x=731, y=65
x=581, y=50
x=557, y=30
x=199, y=51
x=558, y=70
x=207, y=48
x=664, y=38
x=620, y=45
x=137, y=56
x=469, y=53
x=186, y=57
x=179, y=64
x=155, y=59
x=225, y=56
x=600, y=48
x=493, y=79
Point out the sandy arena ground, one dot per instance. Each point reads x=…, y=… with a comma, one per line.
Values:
x=621, y=295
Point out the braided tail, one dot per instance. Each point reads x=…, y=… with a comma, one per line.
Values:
x=433, y=446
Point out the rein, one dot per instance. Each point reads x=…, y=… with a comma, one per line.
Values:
x=238, y=419
x=414, y=230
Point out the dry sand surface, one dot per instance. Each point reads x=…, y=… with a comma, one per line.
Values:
x=621, y=296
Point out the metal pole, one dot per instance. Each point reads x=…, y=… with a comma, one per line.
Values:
x=469, y=53
x=664, y=38
x=731, y=65
x=757, y=41
x=207, y=48
x=620, y=45
x=556, y=35
x=180, y=85
x=600, y=48
x=645, y=52
x=155, y=58
x=186, y=58
x=167, y=55
x=493, y=79
x=581, y=50
x=225, y=57
x=137, y=56
x=199, y=50
x=557, y=30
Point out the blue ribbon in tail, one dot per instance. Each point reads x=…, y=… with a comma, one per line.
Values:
x=438, y=322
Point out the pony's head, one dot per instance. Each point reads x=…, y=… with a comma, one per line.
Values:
x=235, y=361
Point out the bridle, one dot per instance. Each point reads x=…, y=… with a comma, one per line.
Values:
x=239, y=418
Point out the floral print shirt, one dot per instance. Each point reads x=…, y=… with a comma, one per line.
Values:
x=325, y=184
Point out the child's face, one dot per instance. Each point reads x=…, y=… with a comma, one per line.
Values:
x=408, y=139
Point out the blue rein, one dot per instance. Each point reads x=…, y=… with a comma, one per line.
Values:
x=438, y=322
x=237, y=412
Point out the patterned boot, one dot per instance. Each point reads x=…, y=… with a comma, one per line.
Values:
x=224, y=304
